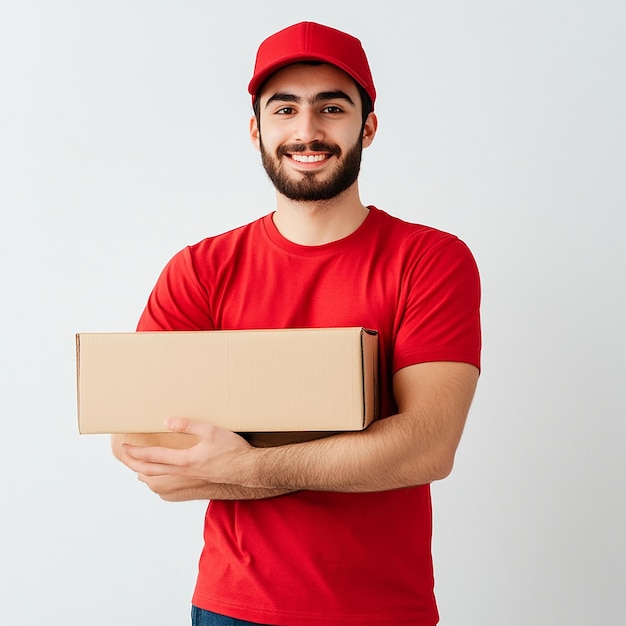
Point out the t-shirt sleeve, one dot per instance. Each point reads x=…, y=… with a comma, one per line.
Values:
x=441, y=313
x=178, y=301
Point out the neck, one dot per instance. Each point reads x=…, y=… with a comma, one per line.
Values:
x=318, y=223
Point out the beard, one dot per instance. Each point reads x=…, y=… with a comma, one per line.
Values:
x=308, y=188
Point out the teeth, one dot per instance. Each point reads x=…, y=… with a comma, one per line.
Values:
x=313, y=158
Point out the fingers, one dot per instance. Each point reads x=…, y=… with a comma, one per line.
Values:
x=146, y=468
x=202, y=432
x=164, y=485
x=154, y=461
x=171, y=451
x=210, y=459
x=190, y=427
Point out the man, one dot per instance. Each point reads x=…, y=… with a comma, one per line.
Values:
x=336, y=530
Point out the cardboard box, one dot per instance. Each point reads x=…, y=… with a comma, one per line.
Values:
x=256, y=381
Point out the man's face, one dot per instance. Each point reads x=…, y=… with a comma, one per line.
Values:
x=311, y=132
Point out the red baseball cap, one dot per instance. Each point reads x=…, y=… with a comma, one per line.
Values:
x=308, y=41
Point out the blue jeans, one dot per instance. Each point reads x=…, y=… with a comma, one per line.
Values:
x=200, y=617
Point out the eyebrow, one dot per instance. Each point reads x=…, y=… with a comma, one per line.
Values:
x=323, y=96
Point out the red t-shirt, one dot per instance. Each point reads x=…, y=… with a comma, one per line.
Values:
x=312, y=558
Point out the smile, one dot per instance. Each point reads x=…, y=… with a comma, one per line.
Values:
x=310, y=158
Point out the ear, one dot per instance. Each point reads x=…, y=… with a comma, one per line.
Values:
x=255, y=134
x=369, y=130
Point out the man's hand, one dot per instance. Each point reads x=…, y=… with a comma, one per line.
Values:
x=216, y=450
x=185, y=463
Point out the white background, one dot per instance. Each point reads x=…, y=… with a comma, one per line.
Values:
x=123, y=137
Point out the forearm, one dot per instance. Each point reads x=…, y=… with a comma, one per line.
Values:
x=416, y=446
x=377, y=459
x=205, y=491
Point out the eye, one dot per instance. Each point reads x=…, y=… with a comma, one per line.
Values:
x=284, y=111
x=331, y=108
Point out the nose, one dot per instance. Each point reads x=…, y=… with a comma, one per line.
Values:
x=307, y=127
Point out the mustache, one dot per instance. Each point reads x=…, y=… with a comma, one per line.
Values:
x=313, y=146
